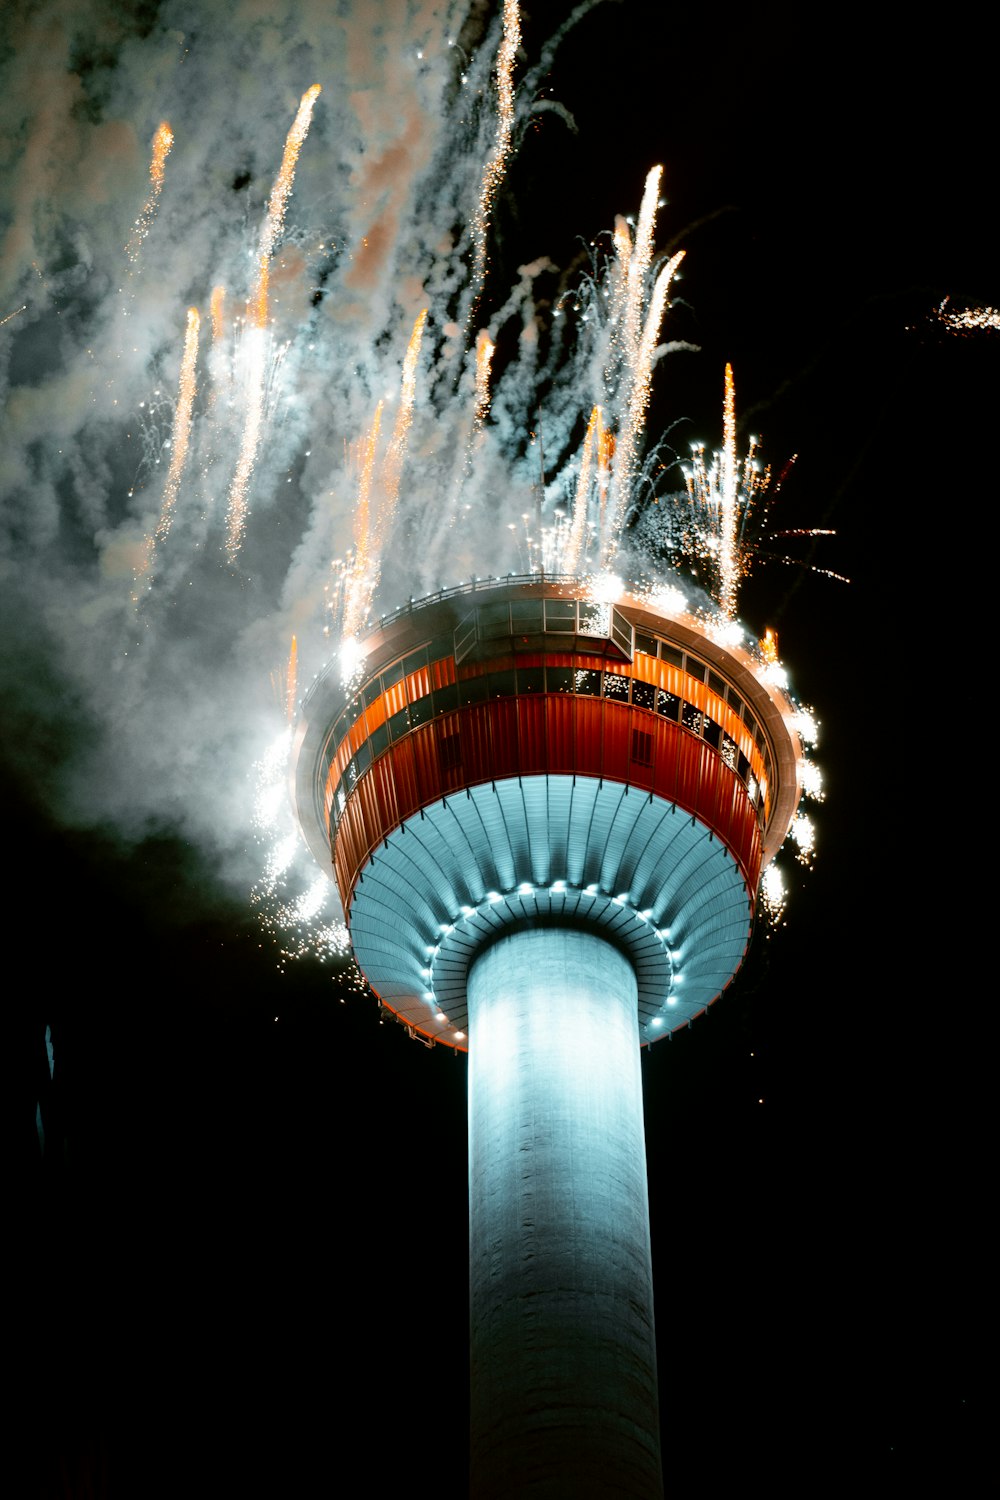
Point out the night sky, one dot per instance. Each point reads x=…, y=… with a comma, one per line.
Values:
x=242, y=1256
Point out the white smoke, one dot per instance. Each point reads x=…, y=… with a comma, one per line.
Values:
x=152, y=717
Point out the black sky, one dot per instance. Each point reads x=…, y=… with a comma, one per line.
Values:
x=245, y=1257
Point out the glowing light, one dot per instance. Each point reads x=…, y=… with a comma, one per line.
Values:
x=772, y=892
x=605, y=588
x=484, y=357
x=969, y=319
x=666, y=599
x=812, y=780
x=351, y=658
x=803, y=834
x=806, y=726
x=163, y=139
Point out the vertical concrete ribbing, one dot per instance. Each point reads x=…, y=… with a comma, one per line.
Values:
x=563, y=1363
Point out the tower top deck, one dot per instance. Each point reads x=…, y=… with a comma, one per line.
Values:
x=514, y=753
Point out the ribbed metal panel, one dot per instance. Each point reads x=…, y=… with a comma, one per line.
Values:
x=576, y=851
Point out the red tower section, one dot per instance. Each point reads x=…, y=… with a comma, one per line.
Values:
x=514, y=753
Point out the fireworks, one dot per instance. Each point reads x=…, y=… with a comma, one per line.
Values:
x=257, y=343
x=163, y=140
x=724, y=496
x=345, y=396
x=968, y=320
x=497, y=161
x=179, y=445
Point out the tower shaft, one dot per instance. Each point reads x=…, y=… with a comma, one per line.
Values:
x=564, y=1395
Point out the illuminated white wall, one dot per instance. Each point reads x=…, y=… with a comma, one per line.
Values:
x=564, y=1399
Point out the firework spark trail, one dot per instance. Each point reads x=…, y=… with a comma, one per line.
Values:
x=496, y=162
x=358, y=588
x=405, y=139
x=484, y=361
x=637, y=266
x=392, y=465
x=284, y=683
x=217, y=308
x=258, y=353
x=180, y=438
x=163, y=139
x=629, y=435
x=723, y=496
x=728, y=562
x=970, y=319
x=353, y=599
x=592, y=444
x=274, y=219
x=13, y=314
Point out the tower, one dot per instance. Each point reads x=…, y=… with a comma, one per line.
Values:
x=548, y=819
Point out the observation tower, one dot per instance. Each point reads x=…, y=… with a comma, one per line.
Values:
x=548, y=819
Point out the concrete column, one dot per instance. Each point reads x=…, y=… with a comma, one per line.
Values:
x=563, y=1359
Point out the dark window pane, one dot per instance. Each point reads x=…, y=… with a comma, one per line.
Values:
x=421, y=710
x=671, y=654
x=392, y=674
x=616, y=687
x=588, y=683
x=526, y=616
x=442, y=646
x=716, y=683
x=399, y=723
x=645, y=643
x=643, y=694
x=531, y=679
x=372, y=691
x=502, y=684
x=473, y=690
x=712, y=732
x=695, y=668
x=667, y=704
x=446, y=698
x=415, y=661
x=691, y=718
x=379, y=740
x=494, y=622
x=560, y=615
x=363, y=759
x=560, y=679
